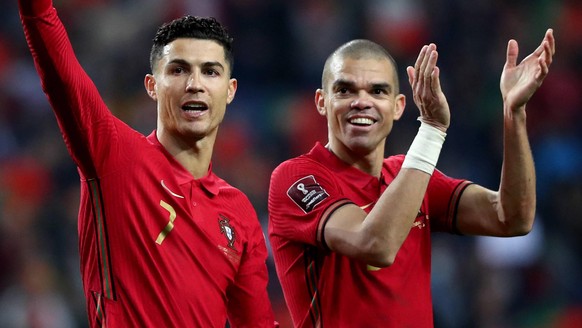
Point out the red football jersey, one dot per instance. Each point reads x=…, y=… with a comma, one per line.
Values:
x=325, y=289
x=158, y=248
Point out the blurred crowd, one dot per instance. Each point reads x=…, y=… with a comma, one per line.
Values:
x=280, y=48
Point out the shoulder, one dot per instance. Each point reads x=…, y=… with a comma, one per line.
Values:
x=395, y=159
x=229, y=191
x=393, y=163
x=300, y=165
x=235, y=204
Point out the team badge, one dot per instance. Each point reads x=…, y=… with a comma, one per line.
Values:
x=227, y=230
x=307, y=193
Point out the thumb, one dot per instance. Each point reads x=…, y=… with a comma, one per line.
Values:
x=512, y=52
x=410, y=72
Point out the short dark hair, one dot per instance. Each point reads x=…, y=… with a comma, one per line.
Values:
x=205, y=28
x=359, y=49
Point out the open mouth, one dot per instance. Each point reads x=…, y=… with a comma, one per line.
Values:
x=362, y=121
x=194, y=107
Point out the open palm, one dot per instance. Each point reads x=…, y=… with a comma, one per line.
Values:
x=519, y=82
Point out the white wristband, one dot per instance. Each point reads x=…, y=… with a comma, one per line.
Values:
x=424, y=152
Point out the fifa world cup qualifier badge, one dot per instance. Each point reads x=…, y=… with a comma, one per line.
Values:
x=307, y=193
x=227, y=230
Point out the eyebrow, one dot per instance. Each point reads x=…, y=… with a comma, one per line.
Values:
x=179, y=61
x=348, y=83
x=342, y=83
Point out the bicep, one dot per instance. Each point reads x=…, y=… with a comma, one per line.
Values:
x=478, y=212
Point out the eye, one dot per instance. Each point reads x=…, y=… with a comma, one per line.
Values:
x=380, y=91
x=212, y=72
x=178, y=70
x=343, y=91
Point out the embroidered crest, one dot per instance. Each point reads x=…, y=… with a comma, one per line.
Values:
x=227, y=230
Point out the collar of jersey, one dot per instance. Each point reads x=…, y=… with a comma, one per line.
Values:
x=209, y=182
x=359, y=178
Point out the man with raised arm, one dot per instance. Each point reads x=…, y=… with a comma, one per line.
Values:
x=163, y=241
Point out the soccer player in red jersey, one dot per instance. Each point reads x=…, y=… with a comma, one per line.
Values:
x=163, y=241
x=350, y=229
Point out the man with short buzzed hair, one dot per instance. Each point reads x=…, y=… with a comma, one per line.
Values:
x=350, y=229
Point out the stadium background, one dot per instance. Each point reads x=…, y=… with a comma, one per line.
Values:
x=280, y=47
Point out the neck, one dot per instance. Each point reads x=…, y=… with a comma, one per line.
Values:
x=194, y=156
x=366, y=161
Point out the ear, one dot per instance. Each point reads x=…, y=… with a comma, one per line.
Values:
x=150, y=86
x=232, y=86
x=320, y=102
x=399, y=104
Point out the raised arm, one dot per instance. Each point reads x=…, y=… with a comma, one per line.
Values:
x=511, y=210
x=33, y=8
x=375, y=238
x=71, y=93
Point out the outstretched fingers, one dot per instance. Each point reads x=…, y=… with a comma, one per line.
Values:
x=549, y=49
x=424, y=79
x=431, y=74
x=550, y=38
x=427, y=68
x=519, y=82
x=414, y=73
x=422, y=84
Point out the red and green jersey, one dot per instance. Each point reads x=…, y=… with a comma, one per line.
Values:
x=158, y=248
x=325, y=289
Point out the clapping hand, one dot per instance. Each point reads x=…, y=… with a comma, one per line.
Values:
x=519, y=82
x=428, y=96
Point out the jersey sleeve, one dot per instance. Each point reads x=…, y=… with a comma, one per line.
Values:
x=248, y=300
x=302, y=196
x=443, y=194
x=83, y=118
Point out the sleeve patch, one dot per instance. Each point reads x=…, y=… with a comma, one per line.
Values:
x=307, y=193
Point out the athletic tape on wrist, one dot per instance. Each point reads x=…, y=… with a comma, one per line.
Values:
x=424, y=152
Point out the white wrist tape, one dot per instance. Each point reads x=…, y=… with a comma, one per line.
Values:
x=424, y=152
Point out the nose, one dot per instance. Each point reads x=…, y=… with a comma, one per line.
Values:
x=194, y=83
x=362, y=101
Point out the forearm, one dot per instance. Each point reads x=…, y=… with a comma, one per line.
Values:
x=71, y=93
x=517, y=194
x=391, y=219
x=382, y=232
x=56, y=63
x=398, y=206
x=32, y=8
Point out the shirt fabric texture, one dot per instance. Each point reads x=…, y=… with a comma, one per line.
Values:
x=158, y=248
x=325, y=289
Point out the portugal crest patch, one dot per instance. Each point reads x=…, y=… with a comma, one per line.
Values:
x=227, y=230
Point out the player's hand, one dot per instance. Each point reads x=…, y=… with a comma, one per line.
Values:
x=426, y=89
x=519, y=82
